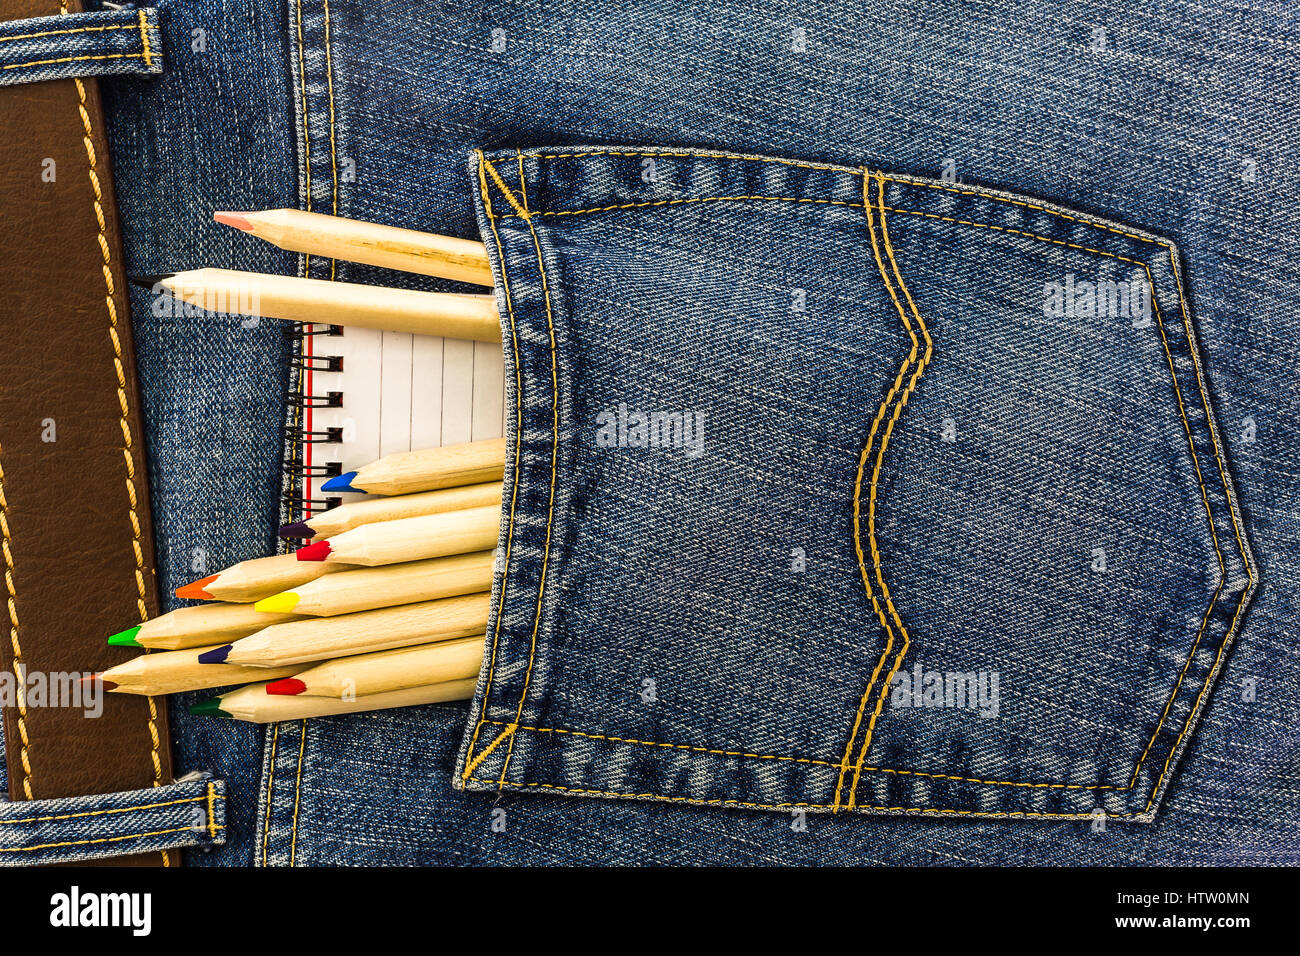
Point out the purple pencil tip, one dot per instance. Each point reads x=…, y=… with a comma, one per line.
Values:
x=217, y=655
x=297, y=529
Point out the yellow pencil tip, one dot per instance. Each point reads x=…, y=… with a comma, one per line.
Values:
x=281, y=603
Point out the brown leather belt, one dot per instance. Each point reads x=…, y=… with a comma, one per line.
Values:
x=74, y=505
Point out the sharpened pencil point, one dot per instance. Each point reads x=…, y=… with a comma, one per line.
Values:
x=297, y=529
x=195, y=589
x=91, y=678
x=281, y=603
x=238, y=220
x=288, y=687
x=217, y=655
x=341, y=482
x=148, y=282
x=210, y=707
x=314, y=552
x=125, y=638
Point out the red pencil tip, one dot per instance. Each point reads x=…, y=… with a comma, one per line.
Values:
x=233, y=219
x=317, y=551
x=195, y=589
x=91, y=678
x=288, y=687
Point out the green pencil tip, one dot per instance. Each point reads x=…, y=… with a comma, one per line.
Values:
x=125, y=638
x=208, y=708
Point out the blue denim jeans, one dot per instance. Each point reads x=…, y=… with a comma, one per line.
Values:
x=948, y=299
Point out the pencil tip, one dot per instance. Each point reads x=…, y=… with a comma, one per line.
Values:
x=314, y=552
x=148, y=282
x=341, y=482
x=281, y=603
x=217, y=655
x=125, y=638
x=238, y=220
x=209, y=707
x=196, y=589
x=288, y=687
x=297, y=529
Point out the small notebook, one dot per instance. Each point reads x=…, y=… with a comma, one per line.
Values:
x=362, y=394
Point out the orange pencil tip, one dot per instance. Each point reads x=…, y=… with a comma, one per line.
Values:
x=233, y=219
x=195, y=589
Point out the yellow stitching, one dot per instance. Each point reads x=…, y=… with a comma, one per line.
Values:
x=100, y=813
x=505, y=191
x=50, y=33
x=270, y=784
x=1027, y=205
x=857, y=499
x=708, y=155
x=677, y=202
x=297, y=793
x=1187, y=428
x=811, y=806
x=473, y=764
x=212, y=810
x=519, y=427
x=116, y=839
x=880, y=457
x=334, y=162
x=306, y=137
x=555, y=454
x=20, y=668
x=105, y=250
x=76, y=59
x=144, y=37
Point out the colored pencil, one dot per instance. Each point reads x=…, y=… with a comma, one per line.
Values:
x=385, y=671
x=322, y=638
x=253, y=703
x=170, y=672
x=200, y=626
x=363, y=589
x=410, y=539
x=426, y=470
x=256, y=579
x=334, y=237
x=374, y=510
x=230, y=292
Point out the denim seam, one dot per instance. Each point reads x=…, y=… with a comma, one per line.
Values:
x=75, y=59
x=555, y=455
x=472, y=761
x=144, y=39
x=211, y=795
x=704, y=153
x=1223, y=574
x=113, y=839
x=885, y=403
x=50, y=33
x=875, y=476
x=122, y=398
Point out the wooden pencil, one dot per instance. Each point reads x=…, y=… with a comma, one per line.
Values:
x=410, y=471
x=385, y=671
x=170, y=672
x=230, y=292
x=253, y=703
x=374, y=510
x=200, y=626
x=362, y=589
x=334, y=237
x=410, y=539
x=322, y=638
x=256, y=579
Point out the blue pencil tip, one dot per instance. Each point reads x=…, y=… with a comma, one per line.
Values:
x=215, y=656
x=341, y=482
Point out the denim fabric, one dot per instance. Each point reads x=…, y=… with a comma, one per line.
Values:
x=768, y=574
x=1142, y=117
x=96, y=43
x=188, y=813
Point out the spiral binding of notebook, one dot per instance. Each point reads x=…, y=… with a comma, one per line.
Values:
x=358, y=394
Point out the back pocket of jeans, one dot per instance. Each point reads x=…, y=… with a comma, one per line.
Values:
x=833, y=489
